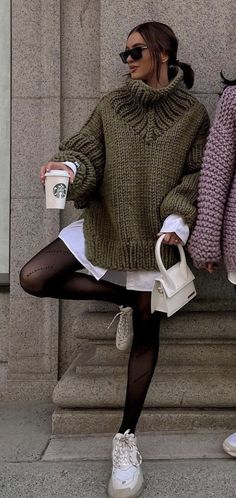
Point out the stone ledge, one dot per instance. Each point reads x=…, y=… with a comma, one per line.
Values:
x=30, y=390
x=153, y=446
x=79, y=421
x=171, y=387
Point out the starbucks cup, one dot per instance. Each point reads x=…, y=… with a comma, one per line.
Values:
x=56, y=185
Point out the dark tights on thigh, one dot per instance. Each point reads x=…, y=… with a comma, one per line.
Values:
x=53, y=273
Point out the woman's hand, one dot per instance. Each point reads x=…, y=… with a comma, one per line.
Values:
x=171, y=238
x=210, y=267
x=55, y=165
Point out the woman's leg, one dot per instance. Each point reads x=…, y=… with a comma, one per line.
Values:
x=127, y=477
x=142, y=360
x=52, y=273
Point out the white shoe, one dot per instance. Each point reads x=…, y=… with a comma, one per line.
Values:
x=127, y=478
x=229, y=445
x=124, y=333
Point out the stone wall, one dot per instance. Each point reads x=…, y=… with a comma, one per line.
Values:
x=64, y=56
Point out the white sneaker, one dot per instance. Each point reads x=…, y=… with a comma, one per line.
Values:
x=127, y=478
x=229, y=445
x=124, y=333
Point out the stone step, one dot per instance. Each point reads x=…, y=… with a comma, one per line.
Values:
x=192, y=386
x=84, y=421
x=172, y=353
x=196, y=326
x=153, y=446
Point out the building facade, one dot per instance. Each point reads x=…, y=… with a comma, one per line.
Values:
x=64, y=57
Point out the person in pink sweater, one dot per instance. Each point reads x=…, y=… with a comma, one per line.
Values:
x=214, y=237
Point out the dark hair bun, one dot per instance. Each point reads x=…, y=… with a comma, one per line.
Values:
x=188, y=73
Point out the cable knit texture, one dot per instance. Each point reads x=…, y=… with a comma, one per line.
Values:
x=139, y=155
x=214, y=237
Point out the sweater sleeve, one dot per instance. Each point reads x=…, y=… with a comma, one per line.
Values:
x=215, y=181
x=87, y=149
x=182, y=199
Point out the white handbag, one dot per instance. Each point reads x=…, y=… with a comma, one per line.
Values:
x=173, y=288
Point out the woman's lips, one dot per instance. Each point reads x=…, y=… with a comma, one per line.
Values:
x=133, y=68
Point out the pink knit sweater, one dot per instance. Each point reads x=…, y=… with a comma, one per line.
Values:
x=214, y=236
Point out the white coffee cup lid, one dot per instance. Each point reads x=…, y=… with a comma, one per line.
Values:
x=57, y=172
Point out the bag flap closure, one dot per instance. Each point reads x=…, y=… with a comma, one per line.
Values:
x=179, y=280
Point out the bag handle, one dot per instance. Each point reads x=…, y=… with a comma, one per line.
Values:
x=183, y=264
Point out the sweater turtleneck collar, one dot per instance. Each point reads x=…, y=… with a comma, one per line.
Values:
x=148, y=95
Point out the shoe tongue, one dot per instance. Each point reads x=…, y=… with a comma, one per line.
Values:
x=125, y=437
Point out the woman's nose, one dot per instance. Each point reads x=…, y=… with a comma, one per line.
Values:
x=129, y=59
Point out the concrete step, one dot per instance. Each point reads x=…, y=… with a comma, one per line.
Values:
x=172, y=354
x=103, y=386
x=192, y=388
x=84, y=421
x=214, y=326
x=153, y=446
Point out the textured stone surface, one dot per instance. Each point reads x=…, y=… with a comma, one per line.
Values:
x=214, y=292
x=153, y=446
x=35, y=48
x=186, y=386
x=78, y=326
x=4, y=324
x=30, y=389
x=76, y=421
x=3, y=379
x=183, y=378
x=38, y=228
x=5, y=106
x=205, y=331
x=80, y=48
x=209, y=101
x=24, y=431
x=35, y=136
x=33, y=345
x=75, y=112
x=173, y=353
x=213, y=327
x=197, y=46
x=193, y=479
x=36, y=92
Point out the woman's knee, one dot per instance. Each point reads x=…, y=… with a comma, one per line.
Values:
x=31, y=281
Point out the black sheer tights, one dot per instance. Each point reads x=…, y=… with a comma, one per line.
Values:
x=53, y=273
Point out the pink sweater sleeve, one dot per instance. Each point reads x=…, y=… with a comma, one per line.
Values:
x=214, y=184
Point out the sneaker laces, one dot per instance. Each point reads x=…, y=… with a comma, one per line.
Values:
x=121, y=314
x=125, y=451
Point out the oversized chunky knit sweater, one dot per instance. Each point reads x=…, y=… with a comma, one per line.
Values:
x=139, y=156
x=214, y=236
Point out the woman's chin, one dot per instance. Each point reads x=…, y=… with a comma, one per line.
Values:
x=135, y=76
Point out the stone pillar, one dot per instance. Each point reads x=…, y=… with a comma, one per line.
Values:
x=80, y=24
x=33, y=348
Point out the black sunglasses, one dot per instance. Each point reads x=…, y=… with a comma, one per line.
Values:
x=135, y=53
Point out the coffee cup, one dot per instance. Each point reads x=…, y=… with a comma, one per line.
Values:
x=56, y=186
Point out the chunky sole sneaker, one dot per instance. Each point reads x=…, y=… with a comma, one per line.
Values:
x=124, y=332
x=127, y=478
x=229, y=445
x=127, y=492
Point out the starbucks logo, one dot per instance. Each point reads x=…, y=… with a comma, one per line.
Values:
x=59, y=190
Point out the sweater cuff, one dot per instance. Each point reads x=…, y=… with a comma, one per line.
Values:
x=74, y=166
x=175, y=223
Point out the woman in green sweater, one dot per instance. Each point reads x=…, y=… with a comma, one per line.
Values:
x=134, y=169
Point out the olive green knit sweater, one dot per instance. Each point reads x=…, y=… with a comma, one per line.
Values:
x=139, y=155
